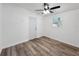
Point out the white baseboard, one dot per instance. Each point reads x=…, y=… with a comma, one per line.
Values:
x=63, y=41
x=14, y=44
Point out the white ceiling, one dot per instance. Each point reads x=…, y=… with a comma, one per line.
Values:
x=35, y=6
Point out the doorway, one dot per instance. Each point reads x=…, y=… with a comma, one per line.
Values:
x=32, y=27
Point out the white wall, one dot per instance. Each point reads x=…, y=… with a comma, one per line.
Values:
x=0, y=26
x=68, y=32
x=15, y=25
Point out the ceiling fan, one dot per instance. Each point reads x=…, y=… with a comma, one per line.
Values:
x=47, y=9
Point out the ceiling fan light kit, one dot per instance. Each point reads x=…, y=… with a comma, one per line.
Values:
x=46, y=12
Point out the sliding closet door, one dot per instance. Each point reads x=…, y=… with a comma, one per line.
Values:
x=32, y=27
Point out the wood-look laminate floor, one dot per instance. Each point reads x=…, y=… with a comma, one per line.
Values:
x=42, y=46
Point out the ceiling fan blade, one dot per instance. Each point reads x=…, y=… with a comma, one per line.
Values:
x=51, y=12
x=56, y=7
x=39, y=10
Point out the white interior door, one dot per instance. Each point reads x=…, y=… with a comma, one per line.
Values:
x=32, y=27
